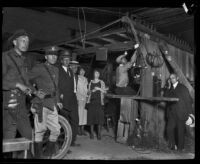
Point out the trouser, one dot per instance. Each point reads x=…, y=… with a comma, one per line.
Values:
x=50, y=121
x=176, y=126
x=72, y=117
x=20, y=122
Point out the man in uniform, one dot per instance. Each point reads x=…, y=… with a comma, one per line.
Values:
x=67, y=89
x=15, y=87
x=45, y=76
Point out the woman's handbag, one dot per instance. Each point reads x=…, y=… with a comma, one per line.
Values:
x=87, y=106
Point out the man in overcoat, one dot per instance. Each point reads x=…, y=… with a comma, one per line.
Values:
x=178, y=112
x=67, y=88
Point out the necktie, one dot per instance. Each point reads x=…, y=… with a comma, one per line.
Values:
x=74, y=84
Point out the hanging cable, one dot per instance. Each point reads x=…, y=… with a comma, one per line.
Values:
x=85, y=27
x=80, y=29
x=84, y=21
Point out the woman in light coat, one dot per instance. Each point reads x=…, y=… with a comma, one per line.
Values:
x=81, y=97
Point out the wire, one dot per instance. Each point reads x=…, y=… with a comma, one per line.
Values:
x=84, y=20
x=79, y=25
x=85, y=27
x=82, y=35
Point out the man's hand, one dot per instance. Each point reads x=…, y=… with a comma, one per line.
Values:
x=97, y=88
x=60, y=105
x=61, y=96
x=33, y=110
x=40, y=94
x=94, y=90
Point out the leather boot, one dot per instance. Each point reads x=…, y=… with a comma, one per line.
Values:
x=92, y=132
x=99, y=132
x=38, y=150
x=50, y=149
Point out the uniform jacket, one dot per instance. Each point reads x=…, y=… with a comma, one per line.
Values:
x=66, y=88
x=183, y=107
x=42, y=79
x=10, y=74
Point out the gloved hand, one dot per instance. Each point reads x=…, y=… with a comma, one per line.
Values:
x=190, y=121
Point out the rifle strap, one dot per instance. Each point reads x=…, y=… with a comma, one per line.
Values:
x=20, y=74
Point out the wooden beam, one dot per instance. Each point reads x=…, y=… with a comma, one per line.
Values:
x=106, y=33
x=108, y=40
x=155, y=34
x=143, y=97
x=73, y=45
x=91, y=43
x=122, y=35
x=118, y=46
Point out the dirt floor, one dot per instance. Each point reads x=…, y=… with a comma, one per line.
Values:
x=108, y=149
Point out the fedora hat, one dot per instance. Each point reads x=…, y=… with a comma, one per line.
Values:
x=65, y=54
x=74, y=63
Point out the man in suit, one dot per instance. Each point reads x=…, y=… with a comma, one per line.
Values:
x=67, y=89
x=178, y=112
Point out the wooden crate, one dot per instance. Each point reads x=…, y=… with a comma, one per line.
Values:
x=16, y=144
x=128, y=114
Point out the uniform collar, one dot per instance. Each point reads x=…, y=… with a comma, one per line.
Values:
x=16, y=54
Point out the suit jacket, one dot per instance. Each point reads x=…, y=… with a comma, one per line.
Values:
x=183, y=107
x=66, y=87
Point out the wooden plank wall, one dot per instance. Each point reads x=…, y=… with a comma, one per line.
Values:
x=155, y=122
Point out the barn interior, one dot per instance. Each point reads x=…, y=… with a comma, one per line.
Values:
x=96, y=36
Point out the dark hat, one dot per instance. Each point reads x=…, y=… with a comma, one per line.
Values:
x=17, y=34
x=52, y=50
x=65, y=54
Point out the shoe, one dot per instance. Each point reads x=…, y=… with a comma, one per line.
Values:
x=91, y=136
x=50, y=150
x=75, y=145
x=171, y=146
x=84, y=133
x=181, y=150
x=99, y=137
